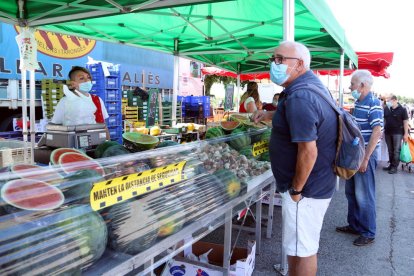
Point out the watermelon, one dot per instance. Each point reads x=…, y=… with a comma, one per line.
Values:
x=265, y=156
x=56, y=153
x=31, y=194
x=167, y=143
x=229, y=126
x=58, y=243
x=231, y=185
x=77, y=186
x=138, y=142
x=247, y=151
x=72, y=162
x=214, y=132
x=100, y=149
x=240, y=140
x=115, y=151
x=168, y=211
x=132, y=226
x=266, y=135
x=36, y=172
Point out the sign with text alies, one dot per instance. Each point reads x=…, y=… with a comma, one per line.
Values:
x=260, y=147
x=111, y=192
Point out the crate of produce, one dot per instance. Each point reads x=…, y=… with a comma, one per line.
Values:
x=12, y=152
x=114, y=120
x=113, y=107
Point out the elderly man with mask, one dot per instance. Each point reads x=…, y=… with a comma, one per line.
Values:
x=302, y=150
x=360, y=189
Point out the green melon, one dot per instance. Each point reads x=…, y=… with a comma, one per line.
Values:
x=134, y=141
x=36, y=172
x=59, y=243
x=77, y=186
x=56, y=153
x=100, y=149
x=73, y=162
x=232, y=186
x=167, y=143
x=115, y=151
x=214, y=132
x=247, y=151
x=31, y=194
x=132, y=226
x=266, y=135
x=240, y=139
x=265, y=156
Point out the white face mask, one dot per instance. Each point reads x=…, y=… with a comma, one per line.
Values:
x=274, y=103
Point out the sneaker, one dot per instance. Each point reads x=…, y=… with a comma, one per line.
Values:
x=347, y=229
x=362, y=241
x=387, y=168
x=392, y=170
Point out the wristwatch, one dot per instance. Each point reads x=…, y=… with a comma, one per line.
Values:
x=292, y=191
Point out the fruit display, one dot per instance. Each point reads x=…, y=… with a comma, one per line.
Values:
x=49, y=225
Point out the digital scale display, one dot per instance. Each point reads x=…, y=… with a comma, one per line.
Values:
x=83, y=141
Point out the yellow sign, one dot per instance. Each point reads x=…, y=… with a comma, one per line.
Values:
x=111, y=192
x=260, y=147
x=61, y=45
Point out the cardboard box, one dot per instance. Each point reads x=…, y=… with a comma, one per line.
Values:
x=277, y=200
x=242, y=261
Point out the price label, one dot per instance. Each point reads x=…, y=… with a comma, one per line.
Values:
x=111, y=192
x=260, y=147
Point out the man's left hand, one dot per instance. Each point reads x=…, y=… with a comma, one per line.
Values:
x=364, y=165
x=405, y=138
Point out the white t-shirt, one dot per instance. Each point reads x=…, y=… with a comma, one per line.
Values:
x=77, y=110
x=247, y=101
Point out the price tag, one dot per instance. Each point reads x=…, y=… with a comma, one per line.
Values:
x=260, y=147
x=111, y=192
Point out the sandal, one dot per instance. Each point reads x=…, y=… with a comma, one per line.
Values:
x=347, y=229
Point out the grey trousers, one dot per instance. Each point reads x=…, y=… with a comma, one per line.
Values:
x=394, y=148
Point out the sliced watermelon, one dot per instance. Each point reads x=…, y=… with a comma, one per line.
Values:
x=73, y=162
x=229, y=126
x=31, y=194
x=55, y=155
x=36, y=172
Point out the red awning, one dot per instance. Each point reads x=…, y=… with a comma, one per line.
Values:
x=243, y=77
x=376, y=62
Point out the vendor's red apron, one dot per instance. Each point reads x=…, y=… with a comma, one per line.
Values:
x=98, y=114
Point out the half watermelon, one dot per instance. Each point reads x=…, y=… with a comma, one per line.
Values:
x=31, y=194
x=55, y=155
x=36, y=172
x=73, y=162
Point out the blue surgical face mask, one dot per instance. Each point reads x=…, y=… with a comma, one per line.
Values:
x=356, y=94
x=278, y=73
x=85, y=86
x=389, y=104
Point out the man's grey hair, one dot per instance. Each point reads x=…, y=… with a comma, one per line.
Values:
x=363, y=76
x=301, y=50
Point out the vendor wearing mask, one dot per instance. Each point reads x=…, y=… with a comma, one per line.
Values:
x=272, y=106
x=78, y=107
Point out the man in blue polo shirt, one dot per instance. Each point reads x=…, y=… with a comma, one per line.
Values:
x=360, y=189
x=302, y=151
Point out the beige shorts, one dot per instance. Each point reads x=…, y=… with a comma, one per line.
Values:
x=302, y=223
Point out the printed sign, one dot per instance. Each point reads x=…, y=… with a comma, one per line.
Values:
x=228, y=97
x=260, y=147
x=152, y=107
x=111, y=192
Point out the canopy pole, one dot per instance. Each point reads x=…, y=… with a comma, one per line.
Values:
x=32, y=114
x=288, y=20
x=341, y=75
x=24, y=112
x=175, y=84
x=238, y=93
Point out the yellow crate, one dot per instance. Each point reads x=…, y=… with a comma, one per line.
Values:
x=131, y=118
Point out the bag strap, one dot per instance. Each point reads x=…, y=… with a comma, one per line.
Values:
x=315, y=89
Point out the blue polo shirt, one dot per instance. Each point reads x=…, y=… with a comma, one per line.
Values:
x=303, y=116
x=368, y=113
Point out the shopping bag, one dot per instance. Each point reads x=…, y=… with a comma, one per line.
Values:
x=405, y=155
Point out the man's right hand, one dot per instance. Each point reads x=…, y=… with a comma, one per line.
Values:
x=260, y=115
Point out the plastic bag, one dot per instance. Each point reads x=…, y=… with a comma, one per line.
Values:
x=405, y=155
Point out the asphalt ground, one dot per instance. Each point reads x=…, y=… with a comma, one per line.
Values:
x=392, y=253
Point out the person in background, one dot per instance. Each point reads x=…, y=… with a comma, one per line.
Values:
x=272, y=106
x=360, y=189
x=396, y=129
x=302, y=150
x=250, y=100
x=78, y=106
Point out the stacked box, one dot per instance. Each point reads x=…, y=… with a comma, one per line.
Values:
x=131, y=113
x=108, y=88
x=52, y=92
